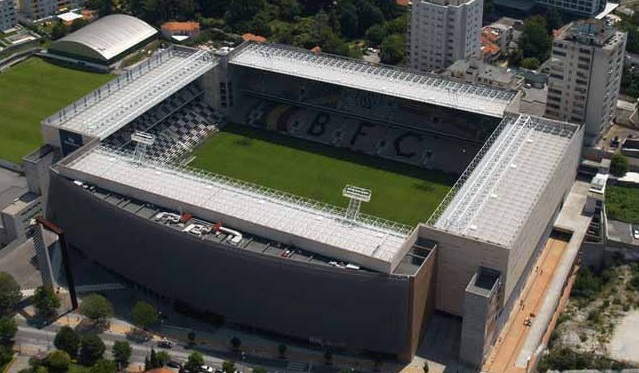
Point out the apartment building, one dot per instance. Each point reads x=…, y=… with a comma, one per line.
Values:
x=584, y=7
x=38, y=9
x=585, y=73
x=8, y=17
x=442, y=32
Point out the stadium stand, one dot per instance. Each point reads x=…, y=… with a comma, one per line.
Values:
x=404, y=144
x=179, y=124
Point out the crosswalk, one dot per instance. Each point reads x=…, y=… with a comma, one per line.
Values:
x=296, y=367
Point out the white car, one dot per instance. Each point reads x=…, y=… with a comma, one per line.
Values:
x=206, y=368
x=635, y=233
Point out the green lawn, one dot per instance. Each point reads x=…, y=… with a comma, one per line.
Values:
x=30, y=92
x=402, y=193
x=622, y=203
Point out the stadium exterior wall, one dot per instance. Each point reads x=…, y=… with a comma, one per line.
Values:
x=78, y=52
x=458, y=258
x=356, y=309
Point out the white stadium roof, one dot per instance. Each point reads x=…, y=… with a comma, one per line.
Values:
x=499, y=190
x=371, y=242
x=112, y=106
x=428, y=88
x=109, y=36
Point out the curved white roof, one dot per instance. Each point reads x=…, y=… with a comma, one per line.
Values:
x=108, y=37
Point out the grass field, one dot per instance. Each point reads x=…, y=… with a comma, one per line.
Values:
x=402, y=193
x=30, y=92
x=622, y=203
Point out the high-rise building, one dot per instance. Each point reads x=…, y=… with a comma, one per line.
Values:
x=584, y=7
x=442, y=32
x=585, y=74
x=8, y=17
x=38, y=9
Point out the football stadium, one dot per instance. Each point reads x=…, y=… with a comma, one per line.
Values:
x=311, y=196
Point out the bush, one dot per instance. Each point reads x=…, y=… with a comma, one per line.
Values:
x=566, y=359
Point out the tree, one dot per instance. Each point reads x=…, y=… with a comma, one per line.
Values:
x=243, y=10
x=236, y=343
x=144, y=315
x=619, y=165
x=260, y=370
x=393, y=49
x=153, y=359
x=91, y=350
x=554, y=20
x=58, y=31
x=9, y=292
x=67, y=340
x=77, y=24
x=328, y=355
x=376, y=34
x=228, y=366
x=121, y=352
x=96, y=307
x=57, y=361
x=348, y=20
x=368, y=15
x=104, y=366
x=535, y=40
x=530, y=63
x=194, y=362
x=46, y=301
x=163, y=358
x=8, y=329
x=191, y=337
x=425, y=367
x=282, y=350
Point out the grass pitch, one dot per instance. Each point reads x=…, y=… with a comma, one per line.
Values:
x=622, y=203
x=31, y=91
x=401, y=192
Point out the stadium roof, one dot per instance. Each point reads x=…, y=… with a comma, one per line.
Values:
x=370, y=242
x=497, y=193
x=428, y=88
x=107, y=37
x=112, y=106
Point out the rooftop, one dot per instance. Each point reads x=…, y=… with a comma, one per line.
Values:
x=370, y=242
x=421, y=87
x=112, y=106
x=496, y=194
x=110, y=36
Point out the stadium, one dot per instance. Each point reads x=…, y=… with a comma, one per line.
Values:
x=211, y=181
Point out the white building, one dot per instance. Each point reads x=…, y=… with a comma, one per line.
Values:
x=442, y=32
x=8, y=17
x=38, y=9
x=585, y=73
x=585, y=7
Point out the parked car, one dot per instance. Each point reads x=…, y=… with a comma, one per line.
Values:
x=173, y=364
x=165, y=344
x=206, y=368
x=635, y=233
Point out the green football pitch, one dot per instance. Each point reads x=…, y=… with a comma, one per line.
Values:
x=400, y=192
x=31, y=91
